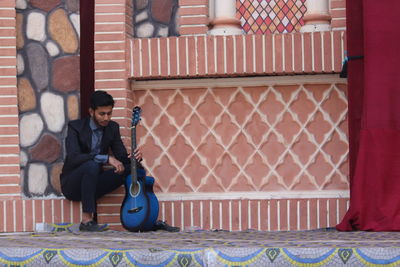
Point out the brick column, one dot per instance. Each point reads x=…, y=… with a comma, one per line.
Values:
x=338, y=13
x=113, y=28
x=111, y=66
x=193, y=18
x=317, y=17
x=9, y=137
x=223, y=15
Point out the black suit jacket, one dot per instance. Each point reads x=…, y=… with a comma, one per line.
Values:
x=79, y=140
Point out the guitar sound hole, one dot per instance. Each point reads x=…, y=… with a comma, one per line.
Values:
x=134, y=189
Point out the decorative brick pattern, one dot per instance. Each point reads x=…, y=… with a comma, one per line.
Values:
x=266, y=16
x=279, y=16
x=185, y=148
x=200, y=56
x=237, y=214
x=21, y=215
x=258, y=214
x=284, y=134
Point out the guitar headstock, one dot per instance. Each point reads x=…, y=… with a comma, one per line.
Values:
x=136, y=115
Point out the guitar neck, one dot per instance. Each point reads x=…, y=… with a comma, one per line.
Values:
x=133, y=159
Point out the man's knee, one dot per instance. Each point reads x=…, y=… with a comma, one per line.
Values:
x=91, y=167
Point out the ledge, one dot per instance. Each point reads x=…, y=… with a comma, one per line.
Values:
x=234, y=56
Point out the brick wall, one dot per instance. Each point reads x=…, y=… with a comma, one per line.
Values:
x=213, y=56
x=16, y=213
x=193, y=17
x=338, y=13
x=119, y=58
x=20, y=215
x=266, y=152
x=202, y=56
x=266, y=215
x=111, y=54
x=9, y=138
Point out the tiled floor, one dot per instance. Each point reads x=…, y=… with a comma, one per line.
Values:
x=325, y=247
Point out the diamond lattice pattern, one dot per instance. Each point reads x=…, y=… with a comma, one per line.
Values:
x=246, y=139
x=272, y=16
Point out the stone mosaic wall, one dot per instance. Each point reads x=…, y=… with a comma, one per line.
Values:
x=155, y=18
x=48, y=88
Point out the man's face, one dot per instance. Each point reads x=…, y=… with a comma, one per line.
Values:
x=101, y=115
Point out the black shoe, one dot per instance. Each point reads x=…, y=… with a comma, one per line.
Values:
x=160, y=225
x=92, y=226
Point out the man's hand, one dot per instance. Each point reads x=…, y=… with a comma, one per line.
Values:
x=138, y=155
x=119, y=167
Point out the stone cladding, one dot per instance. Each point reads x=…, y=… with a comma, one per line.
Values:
x=155, y=18
x=48, y=88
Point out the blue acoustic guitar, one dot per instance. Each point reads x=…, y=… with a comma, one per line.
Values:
x=139, y=210
x=153, y=202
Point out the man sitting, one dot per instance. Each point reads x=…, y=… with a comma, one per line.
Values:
x=88, y=145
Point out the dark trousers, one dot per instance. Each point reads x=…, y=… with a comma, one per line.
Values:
x=89, y=182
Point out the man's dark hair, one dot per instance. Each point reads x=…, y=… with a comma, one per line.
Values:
x=101, y=99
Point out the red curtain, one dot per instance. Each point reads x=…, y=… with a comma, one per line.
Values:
x=86, y=54
x=374, y=116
